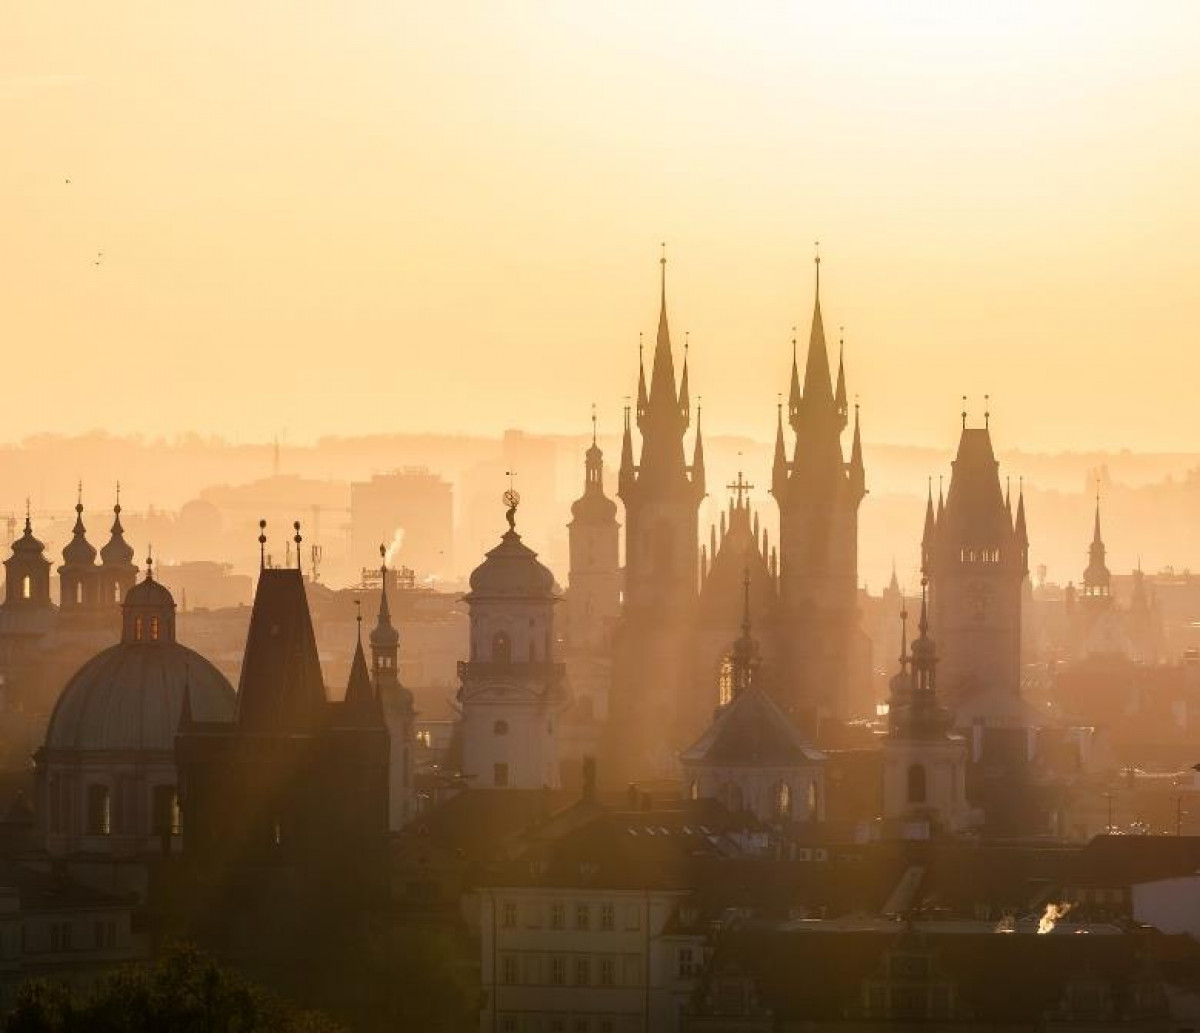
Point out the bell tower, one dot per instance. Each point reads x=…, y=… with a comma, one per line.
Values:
x=818, y=493
x=976, y=557
x=661, y=493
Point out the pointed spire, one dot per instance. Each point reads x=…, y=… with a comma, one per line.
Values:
x=28, y=520
x=857, y=472
x=779, y=467
x=930, y=519
x=903, y=637
x=1008, y=498
x=358, y=689
x=839, y=395
x=643, y=399
x=698, y=480
x=941, y=506
x=662, y=370
x=712, y=540
x=818, y=385
x=1097, y=538
x=627, y=473
x=1020, y=530
x=385, y=613
x=685, y=406
x=795, y=395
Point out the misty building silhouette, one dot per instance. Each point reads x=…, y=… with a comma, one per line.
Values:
x=295, y=780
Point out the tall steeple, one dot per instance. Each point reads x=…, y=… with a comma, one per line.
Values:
x=385, y=639
x=360, y=696
x=818, y=493
x=976, y=562
x=27, y=572
x=1097, y=580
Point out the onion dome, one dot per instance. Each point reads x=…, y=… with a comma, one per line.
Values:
x=131, y=696
x=511, y=569
x=79, y=552
x=594, y=506
x=117, y=552
x=27, y=543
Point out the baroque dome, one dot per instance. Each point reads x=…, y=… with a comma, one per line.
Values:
x=511, y=570
x=130, y=696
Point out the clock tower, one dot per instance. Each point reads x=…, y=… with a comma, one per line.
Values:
x=976, y=557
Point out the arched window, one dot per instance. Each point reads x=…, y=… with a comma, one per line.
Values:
x=116, y=591
x=79, y=592
x=500, y=728
x=26, y=587
x=813, y=802
x=916, y=783
x=137, y=629
x=99, y=811
x=724, y=681
x=694, y=790
x=781, y=800
x=501, y=648
x=154, y=629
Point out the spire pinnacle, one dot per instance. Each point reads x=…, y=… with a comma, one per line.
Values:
x=149, y=562
x=593, y=424
x=903, y=636
x=262, y=545
x=297, y=539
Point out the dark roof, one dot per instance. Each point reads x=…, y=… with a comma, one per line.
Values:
x=281, y=687
x=752, y=729
x=511, y=570
x=130, y=696
x=997, y=978
x=1124, y=860
x=975, y=512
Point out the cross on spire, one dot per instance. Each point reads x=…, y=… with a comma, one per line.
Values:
x=741, y=488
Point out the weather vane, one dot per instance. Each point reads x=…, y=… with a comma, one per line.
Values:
x=512, y=499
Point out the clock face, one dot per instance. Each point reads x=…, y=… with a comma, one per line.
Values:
x=979, y=599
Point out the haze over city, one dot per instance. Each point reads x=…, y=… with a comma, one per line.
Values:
x=573, y=518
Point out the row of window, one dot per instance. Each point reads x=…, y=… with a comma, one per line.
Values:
x=602, y=970
x=581, y=914
x=164, y=804
x=104, y=936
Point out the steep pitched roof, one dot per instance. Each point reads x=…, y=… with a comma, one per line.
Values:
x=281, y=688
x=752, y=730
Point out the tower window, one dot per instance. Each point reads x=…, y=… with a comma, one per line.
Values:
x=916, y=783
x=154, y=629
x=500, y=728
x=781, y=800
x=137, y=629
x=116, y=591
x=501, y=648
x=78, y=593
x=26, y=587
x=99, y=811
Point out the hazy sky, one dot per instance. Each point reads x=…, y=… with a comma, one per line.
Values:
x=343, y=217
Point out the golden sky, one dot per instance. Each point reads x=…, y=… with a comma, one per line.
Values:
x=381, y=215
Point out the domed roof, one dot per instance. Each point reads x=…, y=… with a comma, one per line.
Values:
x=27, y=543
x=116, y=551
x=79, y=552
x=594, y=506
x=129, y=697
x=511, y=570
x=149, y=592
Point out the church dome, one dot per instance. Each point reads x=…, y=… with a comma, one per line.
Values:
x=79, y=552
x=116, y=551
x=150, y=593
x=130, y=697
x=27, y=543
x=512, y=570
